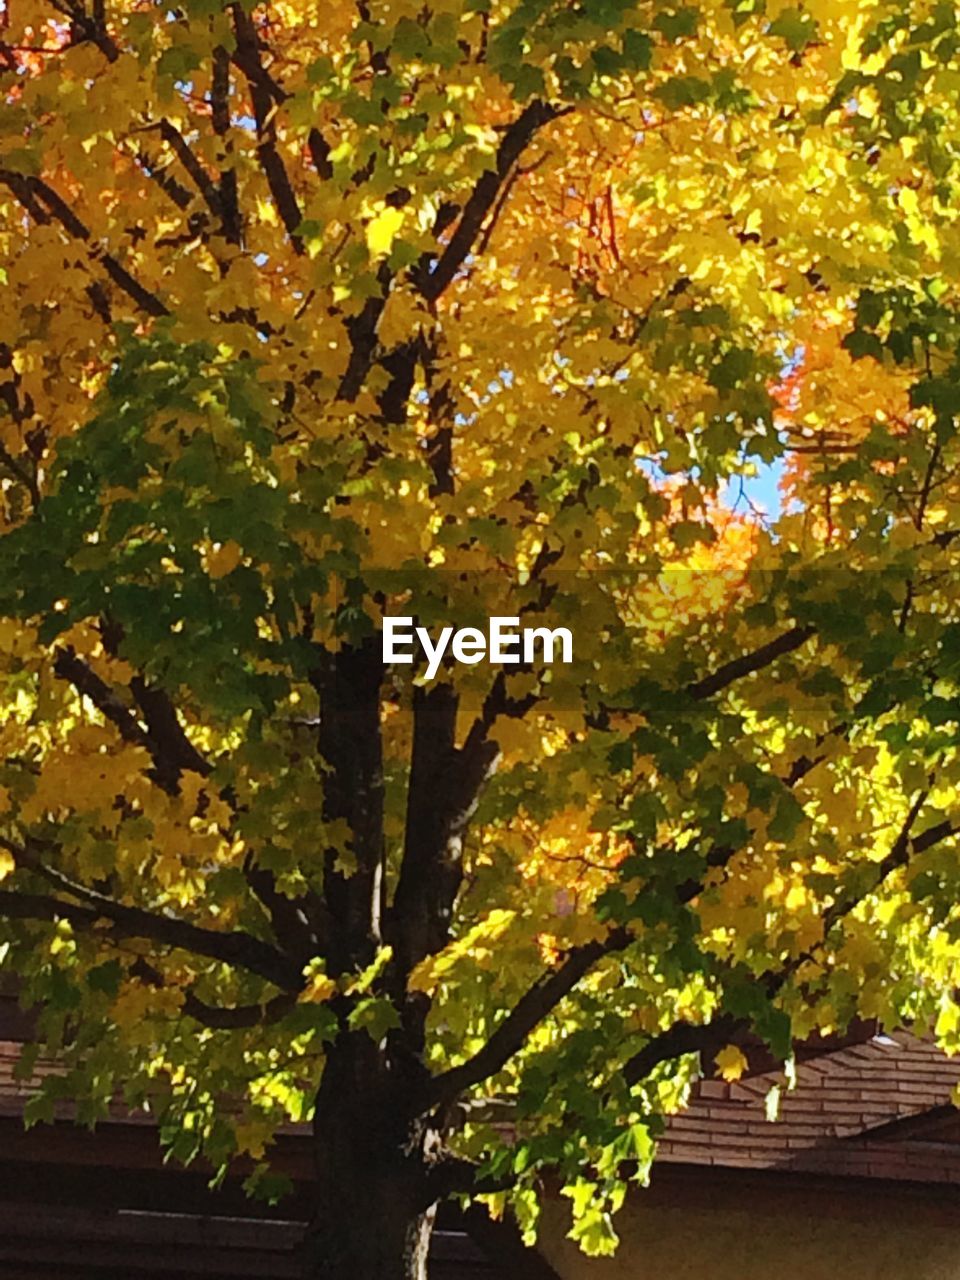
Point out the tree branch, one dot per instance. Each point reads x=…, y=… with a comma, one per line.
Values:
x=219, y=1017
x=484, y=195
x=202, y=180
x=229, y=194
x=902, y=850
x=168, y=184
x=235, y=948
x=350, y=744
x=529, y=1011
x=164, y=738
x=362, y=331
x=266, y=96
x=452, y=1176
x=441, y=797
x=680, y=1039
x=320, y=153
x=237, y=1017
x=749, y=663
x=89, y=27
x=173, y=752
x=291, y=919
x=684, y=1037
x=68, y=666
x=33, y=192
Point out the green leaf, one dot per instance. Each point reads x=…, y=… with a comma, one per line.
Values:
x=178, y=62
x=376, y=1015
x=106, y=978
x=797, y=27
x=677, y=24
x=683, y=91
x=637, y=49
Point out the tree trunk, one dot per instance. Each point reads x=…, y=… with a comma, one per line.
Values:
x=367, y=1230
x=374, y=1216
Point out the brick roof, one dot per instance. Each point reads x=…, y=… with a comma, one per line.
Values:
x=876, y=1109
x=880, y=1109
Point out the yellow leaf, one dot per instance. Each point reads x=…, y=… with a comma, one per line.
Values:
x=478, y=943
x=731, y=1063
x=948, y=1020
x=320, y=988
x=400, y=318
x=382, y=230
x=796, y=897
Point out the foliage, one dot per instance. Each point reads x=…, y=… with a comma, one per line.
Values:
x=316, y=312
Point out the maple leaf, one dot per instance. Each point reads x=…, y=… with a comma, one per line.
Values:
x=730, y=1062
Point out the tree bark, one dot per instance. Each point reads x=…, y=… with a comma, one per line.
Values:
x=375, y=1237
x=374, y=1209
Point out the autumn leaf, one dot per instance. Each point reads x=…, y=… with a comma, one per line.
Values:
x=730, y=1062
x=223, y=558
x=382, y=230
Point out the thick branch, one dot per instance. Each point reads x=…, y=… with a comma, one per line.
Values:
x=294, y=920
x=229, y=194
x=749, y=663
x=235, y=948
x=442, y=410
x=173, y=752
x=91, y=27
x=219, y=1017
x=164, y=738
x=33, y=192
x=168, y=184
x=678, y=1040
x=320, y=153
x=529, y=1011
x=236, y=1017
x=484, y=195
x=266, y=97
x=497, y=703
x=442, y=794
x=362, y=331
x=68, y=666
x=451, y=1176
x=350, y=744
x=202, y=180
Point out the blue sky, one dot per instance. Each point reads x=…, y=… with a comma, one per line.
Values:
x=761, y=491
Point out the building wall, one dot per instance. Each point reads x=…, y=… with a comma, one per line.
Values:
x=759, y=1230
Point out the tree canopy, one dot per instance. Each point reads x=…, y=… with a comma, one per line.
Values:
x=316, y=312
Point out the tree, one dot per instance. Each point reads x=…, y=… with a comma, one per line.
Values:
x=316, y=313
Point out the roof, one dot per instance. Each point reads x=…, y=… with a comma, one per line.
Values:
x=877, y=1109
x=100, y=1205
x=37, y=1242
x=880, y=1109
